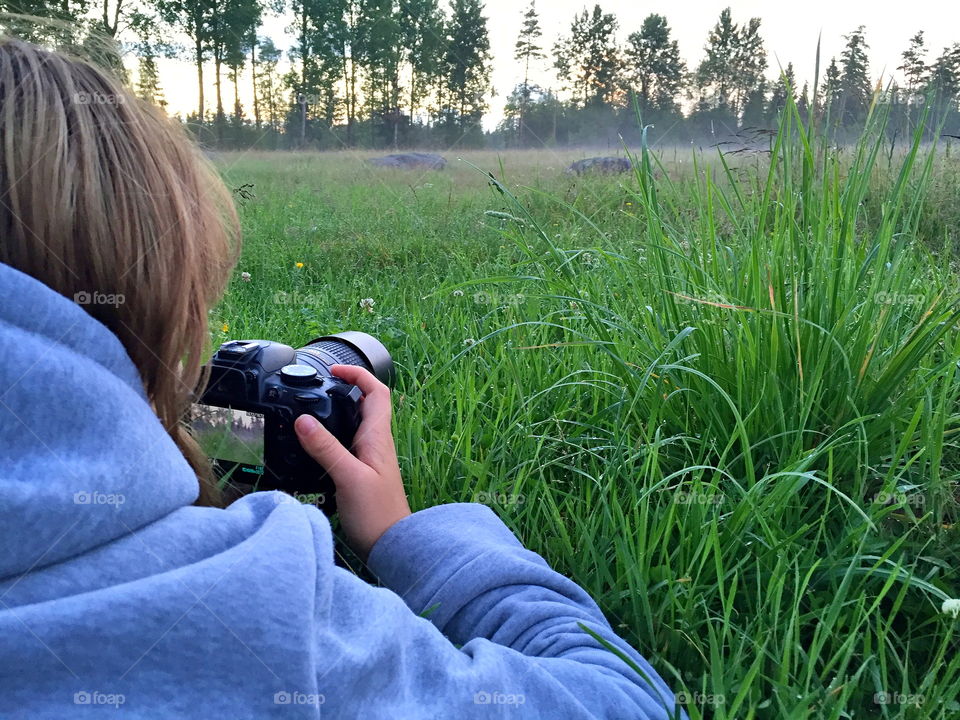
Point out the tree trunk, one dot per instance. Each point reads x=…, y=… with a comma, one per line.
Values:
x=523, y=101
x=237, y=110
x=253, y=73
x=351, y=102
x=218, y=68
x=199, y=53
x=303, y=121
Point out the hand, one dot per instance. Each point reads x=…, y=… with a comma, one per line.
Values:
x=370, y=495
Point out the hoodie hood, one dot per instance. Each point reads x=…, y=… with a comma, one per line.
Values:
x=76, y=433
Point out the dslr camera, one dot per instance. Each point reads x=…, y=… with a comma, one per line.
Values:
x=257, y=388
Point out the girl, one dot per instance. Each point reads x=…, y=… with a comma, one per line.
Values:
x=122, y=584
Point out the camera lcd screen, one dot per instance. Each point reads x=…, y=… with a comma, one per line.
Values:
x=229, y=435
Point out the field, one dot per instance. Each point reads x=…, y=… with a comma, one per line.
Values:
x=721, y=394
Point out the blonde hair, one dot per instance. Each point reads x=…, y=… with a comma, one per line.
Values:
x=102, y=193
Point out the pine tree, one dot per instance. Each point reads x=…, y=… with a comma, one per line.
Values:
x=832, y=91
x=855, y=86
x=148, y=81
x=750, y=63
x=784, y=89
x=588, y=59
x=944, y=80
x=755, y=105
x=654, y=68
x=734, y=66
x=914, y=66
x=803, y=102
x=527, y=49
x=716, y=75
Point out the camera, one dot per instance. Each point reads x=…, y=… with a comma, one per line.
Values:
x=244, y=418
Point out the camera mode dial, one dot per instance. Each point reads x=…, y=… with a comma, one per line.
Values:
x=298, y=375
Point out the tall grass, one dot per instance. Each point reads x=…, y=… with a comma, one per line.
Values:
x=721, y=396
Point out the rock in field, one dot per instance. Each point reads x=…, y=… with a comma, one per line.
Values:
x=411, y=161
x=601, y=165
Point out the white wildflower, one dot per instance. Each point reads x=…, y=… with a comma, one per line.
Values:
x=458, y=293
x=245, y=276
x=951, y=607
x=367, y=304
x=469, y=341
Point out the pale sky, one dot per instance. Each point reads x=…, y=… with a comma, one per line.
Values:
x=790, y=30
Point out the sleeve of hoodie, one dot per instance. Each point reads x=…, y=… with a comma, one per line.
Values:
x=503, y=630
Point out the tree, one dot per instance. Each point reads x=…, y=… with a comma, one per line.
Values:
x=421, y=29
x=544, y=114
x=734, y=65
x=803, y=102
x=783, y=90
x=750, y=63
x=148, y=81
x=65, y=34
x=195, y=18
x=378, y=49
x=111, y=17
x=467, y=60
x=832, y=91
x=589, y=59
x=914, y=66
x=654, y=68
x=755, y=106
x=319, y=28
x=914, y=69
x=233, y=21
x=147, y=48
x=268, y=89
x=944, y=80
x=526, y=50
x=718, y=69
x=855, y=88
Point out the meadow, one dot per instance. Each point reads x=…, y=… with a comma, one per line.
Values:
x=718, y=392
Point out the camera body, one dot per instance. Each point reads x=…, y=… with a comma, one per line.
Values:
x=258, y=388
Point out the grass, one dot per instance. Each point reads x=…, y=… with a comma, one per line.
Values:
x=721, y=396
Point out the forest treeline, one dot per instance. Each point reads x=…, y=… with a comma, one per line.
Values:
x=417, y=73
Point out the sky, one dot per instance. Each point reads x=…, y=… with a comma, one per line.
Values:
x=790, y=31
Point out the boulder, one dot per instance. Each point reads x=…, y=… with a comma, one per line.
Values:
x=601, y=165
x=411, y=161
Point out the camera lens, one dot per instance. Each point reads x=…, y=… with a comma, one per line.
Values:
x=351, y=348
